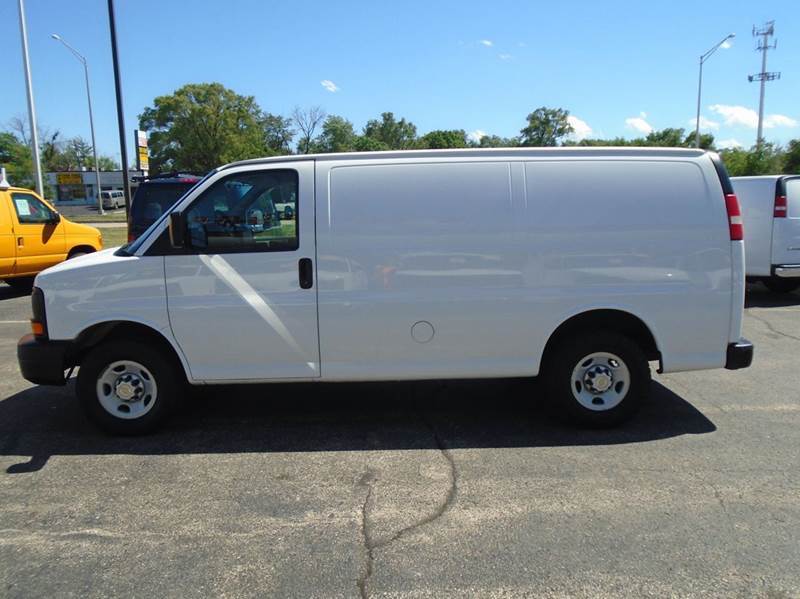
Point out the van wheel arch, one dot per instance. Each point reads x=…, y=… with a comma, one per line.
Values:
x=121, y=331
x=617, y=321
x=79, y=250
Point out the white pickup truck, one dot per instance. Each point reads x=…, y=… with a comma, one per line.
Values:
x=577, y=264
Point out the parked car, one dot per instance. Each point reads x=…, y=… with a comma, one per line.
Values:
x=112, y=199
x=154, y=197
x=33, y=236
x=771, y=212
x=581, y=265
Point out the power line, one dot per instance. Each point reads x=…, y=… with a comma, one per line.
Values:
x=763, y=45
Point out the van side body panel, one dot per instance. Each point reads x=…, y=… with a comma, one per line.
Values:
x=757, y=200
x=488, y=257
x=786, y=231
x=649, y=237
x=8, y=243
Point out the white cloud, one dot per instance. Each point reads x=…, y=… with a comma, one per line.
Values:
x=329, y=85
x=638, y=123
x=487, y=43
x=476, y=135
x=729, y=143
x=580, y=129
x=747, y=117
x=522, y=44
x=736, y=115
x=779, y=120
x=705, y=123
x=505, y=56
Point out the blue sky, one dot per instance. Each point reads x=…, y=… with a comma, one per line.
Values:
x=620, y=67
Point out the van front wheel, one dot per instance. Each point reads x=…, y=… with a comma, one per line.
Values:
x=597, y=379
x=128, y=388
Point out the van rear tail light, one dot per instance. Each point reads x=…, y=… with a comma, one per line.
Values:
x=131, y=237
x=39, y=320
x=734, y=217
x=780, y=207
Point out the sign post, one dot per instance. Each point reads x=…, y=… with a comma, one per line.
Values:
x=142, y=158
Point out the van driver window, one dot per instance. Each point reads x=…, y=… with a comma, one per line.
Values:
x=31, y=210
x=246, y=212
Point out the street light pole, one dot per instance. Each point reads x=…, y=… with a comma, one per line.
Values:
x=37, y=165
x=82, y=58
x=703, y=58
x=126, y=184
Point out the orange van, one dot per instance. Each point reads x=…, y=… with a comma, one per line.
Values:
x=33, y=236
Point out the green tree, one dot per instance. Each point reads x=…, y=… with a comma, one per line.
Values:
x=495, y=141
x=106, y=163
x=764, y=160
x=394, y=134
x=791, y=158
x=369, y=144
x=546, y=127
x=278, y=133
x=338, y=135
x=443, y=138
x=15, y=156
x=706, y=141
x=203, y=125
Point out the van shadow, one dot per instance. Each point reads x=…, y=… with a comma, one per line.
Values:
x=758, y=296
x=7, y=292
x=41, y=422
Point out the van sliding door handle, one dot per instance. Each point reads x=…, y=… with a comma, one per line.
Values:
x=306, y=272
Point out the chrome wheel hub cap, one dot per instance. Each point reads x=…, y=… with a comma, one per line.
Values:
x=126, y=389
x=600, y=381
x=129, y=387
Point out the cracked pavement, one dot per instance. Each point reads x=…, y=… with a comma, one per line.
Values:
x=456, y=489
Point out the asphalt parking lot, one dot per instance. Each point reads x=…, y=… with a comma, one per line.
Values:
x=457, y=489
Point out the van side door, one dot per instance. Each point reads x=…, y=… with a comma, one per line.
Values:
x=38, y=233
x=8, y=251
x=241, y=294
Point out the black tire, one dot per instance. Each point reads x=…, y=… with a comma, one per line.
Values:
x=164, y=368
x=76, y=253
x=20, y=283
x=568, y=354
x=778, y=285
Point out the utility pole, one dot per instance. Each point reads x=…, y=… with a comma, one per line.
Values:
x=765, y=32
x=37, y=164
x=126, y=184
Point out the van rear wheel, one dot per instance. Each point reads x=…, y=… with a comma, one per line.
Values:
x=128, y=388
x=596, y=379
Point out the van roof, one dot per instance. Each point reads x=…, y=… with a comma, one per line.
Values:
x=478, y=152
x=764, y=177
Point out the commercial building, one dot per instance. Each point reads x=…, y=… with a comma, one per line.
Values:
x=75, y=188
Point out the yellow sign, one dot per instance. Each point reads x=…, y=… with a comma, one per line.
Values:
x=143, y=160
x=69, y=179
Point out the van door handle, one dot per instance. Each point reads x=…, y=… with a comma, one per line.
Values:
x=306, y=272
x=20, y=241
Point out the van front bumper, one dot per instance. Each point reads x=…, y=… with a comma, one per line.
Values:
x=41, y=361
x=786, y=271
x=740, y=355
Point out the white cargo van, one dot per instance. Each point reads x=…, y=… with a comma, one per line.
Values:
x=771, y=211
x=582, y=264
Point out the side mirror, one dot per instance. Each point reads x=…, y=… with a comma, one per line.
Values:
x=177, y=229
x=56, y=218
